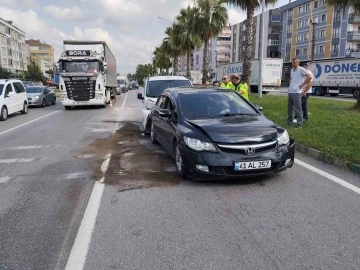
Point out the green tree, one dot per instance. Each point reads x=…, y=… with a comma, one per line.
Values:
x=161, y=60
x=4, y=74
x=249, y=6
x=189, y=39
x=144, y=71
x=50, y=72
x=170, y=46
x=211, y=18
x=34, y=72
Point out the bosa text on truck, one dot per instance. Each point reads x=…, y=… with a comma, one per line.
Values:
x=87, y=72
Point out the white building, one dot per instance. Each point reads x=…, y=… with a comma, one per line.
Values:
x=219, y=53
x=12, y=47
x=271, y=35
x=45, y=66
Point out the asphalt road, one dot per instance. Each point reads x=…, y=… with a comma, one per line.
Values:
x=140, y=215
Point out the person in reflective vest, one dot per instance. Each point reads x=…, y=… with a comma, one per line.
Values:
x=239, y=86
x=225, y=82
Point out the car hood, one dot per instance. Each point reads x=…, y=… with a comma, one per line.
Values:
x=33, y=94
x=237, y=129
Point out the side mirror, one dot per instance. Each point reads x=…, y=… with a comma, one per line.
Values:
x=259, y=107
x=140, y=96
x=105, y=68
x=165, y=113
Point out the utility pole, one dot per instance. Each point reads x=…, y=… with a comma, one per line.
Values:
x=313, y=38
x=261, y=40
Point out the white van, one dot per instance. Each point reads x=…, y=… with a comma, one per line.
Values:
x=153, y=88
x=13, y=98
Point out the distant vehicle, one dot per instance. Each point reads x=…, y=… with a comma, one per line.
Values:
x=87, y=74
x=336, y=77
x=153, y=88
x=271, y=77
x=12, y=98
x=122, y=82
x=28, y=83
x=214, y=133
x=40, y=96
x=135, y=85
x=50, y=83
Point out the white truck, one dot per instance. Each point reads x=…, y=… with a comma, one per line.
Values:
x=333, y=77
x=122, y=82
x=196, y=76
x=87, y=73
x=271, y=73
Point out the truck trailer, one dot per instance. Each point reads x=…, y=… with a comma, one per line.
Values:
x=87, y=73
x=334, y=77
x=271, y=73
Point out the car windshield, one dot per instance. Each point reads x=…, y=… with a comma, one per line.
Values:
x=1, y=89
x=121, y=81
x=155, y=88
x=34, y=90
x=212, y=104
x=80, y=67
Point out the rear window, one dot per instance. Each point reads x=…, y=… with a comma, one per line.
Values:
x=1, y=89
x=34, y=90
x=155, y=88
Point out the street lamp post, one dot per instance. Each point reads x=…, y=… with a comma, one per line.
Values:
x=261, y=39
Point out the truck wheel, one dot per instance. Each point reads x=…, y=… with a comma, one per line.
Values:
x=356, y=93
x=318, y=92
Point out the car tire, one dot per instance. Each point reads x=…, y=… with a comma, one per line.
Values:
x=356, y=93
x=67, y=107
x=43, y=103
x=152, y=135
x=179, y=162
x=3, y=114
x=54, y=101
x=25, y=108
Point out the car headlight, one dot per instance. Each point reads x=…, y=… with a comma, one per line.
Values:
x=283, y=138
x=36, y=97
x=198, y=145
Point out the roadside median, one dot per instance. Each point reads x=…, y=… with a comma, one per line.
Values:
x=332, y=133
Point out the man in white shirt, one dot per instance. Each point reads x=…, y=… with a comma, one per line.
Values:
x=299, y=78
x=306, y=93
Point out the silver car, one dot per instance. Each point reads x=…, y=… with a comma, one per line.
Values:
x=40, y=96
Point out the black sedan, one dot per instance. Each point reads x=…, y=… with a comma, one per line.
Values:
x=214, y=133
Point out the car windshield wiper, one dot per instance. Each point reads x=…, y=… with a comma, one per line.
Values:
x=233, y=114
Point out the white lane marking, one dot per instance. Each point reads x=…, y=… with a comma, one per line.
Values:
x=329, y=176
x=26, y=147
x=17, y=160
x=105, y=164
x=75, y=175
x=81, y=245
x=32, y=121
x=3, y=180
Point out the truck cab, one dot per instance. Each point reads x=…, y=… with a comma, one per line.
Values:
x=153, y=88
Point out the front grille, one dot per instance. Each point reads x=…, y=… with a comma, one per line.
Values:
x=29, y=98
x=80, y=90
x=261, y=147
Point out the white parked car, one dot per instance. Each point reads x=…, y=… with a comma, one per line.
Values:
x=13, y=98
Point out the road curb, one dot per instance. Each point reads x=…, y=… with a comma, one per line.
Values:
x=333, y=160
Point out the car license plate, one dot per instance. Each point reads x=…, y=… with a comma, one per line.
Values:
x=82, y=103
x=252, y=165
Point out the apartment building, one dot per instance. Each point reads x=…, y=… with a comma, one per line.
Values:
x=42, y=54
x=272, y=20
x=219, y=53
x=311, y=30
x=12, y=47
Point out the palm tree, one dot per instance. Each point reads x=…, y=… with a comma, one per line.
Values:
x=171, y=46
x=161, y=60
x=354, y=5
x=189, y=40
x=211, y=19
x=249, y=6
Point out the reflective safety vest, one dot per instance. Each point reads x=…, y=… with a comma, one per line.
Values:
x=228, y=85
x=241, y=87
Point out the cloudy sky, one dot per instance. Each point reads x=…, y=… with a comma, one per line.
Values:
x=124, y=24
